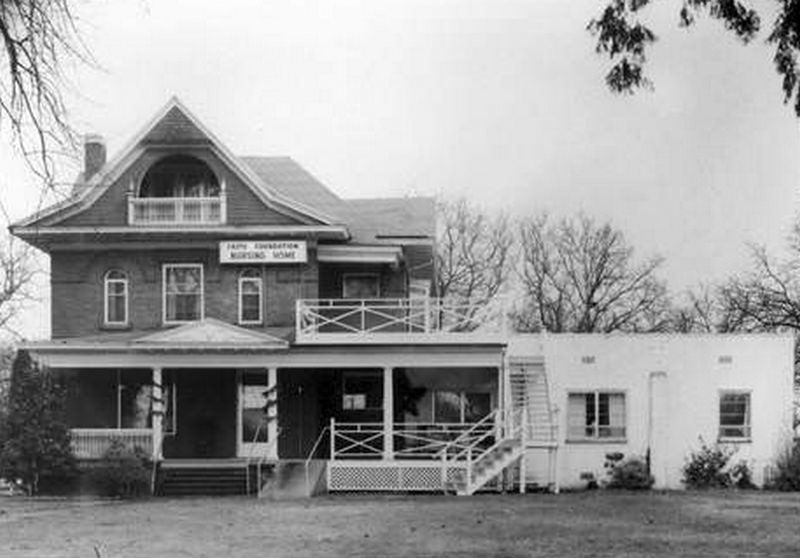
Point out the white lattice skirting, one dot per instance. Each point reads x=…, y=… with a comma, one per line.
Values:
x=388, y=476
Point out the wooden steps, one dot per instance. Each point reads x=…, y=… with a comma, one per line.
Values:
x=202, y=478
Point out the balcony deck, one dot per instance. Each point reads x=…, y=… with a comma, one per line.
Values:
x=397, y=320
x=176, y=211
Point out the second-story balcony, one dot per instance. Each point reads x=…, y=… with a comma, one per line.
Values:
x=177, y=211
x=393, y=320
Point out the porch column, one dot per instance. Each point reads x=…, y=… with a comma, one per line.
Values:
x=388, y=413
x=272, y=408
x=158, y=414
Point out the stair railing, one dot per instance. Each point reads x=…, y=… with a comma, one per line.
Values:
x=511, y=427
x=311, y=457
x=263, y=459
x=464, y=443
x=249, y=458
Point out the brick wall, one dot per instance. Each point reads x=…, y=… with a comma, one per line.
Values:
x=77, y=288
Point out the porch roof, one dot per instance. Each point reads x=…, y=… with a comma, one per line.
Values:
x=208, y=335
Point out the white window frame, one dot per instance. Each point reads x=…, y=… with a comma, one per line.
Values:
x=164, y=268
x=245, y=277
x=595, y=436
x=347, y=276
x=107, y=281
x=747, y=427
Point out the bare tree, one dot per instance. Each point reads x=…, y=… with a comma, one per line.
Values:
x=37, y=37
x=623, y=34
x=580, y=276
x=708, y=309
x=473, y=252
x=473, y=265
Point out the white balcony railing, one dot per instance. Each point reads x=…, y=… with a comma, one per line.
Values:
x=92, y=443
x=176, y=211
x=404, y=316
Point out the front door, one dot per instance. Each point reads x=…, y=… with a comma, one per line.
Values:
x=205, y=414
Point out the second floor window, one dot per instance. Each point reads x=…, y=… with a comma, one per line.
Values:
x=183, y=293
x=361, y=286
x=116, y=298
x=250, y=297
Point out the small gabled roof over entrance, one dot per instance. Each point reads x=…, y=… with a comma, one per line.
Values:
x=212, y=333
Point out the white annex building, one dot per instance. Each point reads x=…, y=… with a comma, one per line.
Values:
x=659, y=395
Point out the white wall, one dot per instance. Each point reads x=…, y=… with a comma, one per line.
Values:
x=687, y=378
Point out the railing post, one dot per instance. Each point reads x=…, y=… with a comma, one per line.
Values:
x=333, y=438
x=130, y=208
x=388, y=413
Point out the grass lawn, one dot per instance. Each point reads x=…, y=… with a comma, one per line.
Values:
x=580, y=524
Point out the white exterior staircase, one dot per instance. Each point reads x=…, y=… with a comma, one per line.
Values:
x=479, y=455
x=528, y=389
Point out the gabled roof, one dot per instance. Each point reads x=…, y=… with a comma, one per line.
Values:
x=280, y=182
x=211, y=332
x=369, y=220
x=293, y=181
x=159, y=130
x=391, y=219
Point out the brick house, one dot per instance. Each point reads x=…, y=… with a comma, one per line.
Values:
x=231, y=315
x=231, y=311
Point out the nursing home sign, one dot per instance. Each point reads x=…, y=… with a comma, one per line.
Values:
x=263, y=251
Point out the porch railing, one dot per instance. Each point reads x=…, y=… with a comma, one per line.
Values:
x=410, y=440
x=92, y=443
x=399, y=316
x=176, y=211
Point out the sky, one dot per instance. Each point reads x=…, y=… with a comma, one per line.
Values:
x=502, y=102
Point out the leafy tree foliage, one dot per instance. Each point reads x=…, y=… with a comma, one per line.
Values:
x=36, y=38
x=624, y=37
x=581, y=276
x=34, y=437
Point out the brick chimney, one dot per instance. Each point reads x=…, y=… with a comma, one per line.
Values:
x=94, y=155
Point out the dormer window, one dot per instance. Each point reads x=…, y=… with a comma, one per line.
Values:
x=178, y=190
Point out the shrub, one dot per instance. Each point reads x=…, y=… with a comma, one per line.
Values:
x=786, y=476
x=741, y=476
x=629, y=474
x=706, y=467
x=34, y=436
x=122, y=472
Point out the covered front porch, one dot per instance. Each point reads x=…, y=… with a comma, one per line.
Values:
x=370, y=413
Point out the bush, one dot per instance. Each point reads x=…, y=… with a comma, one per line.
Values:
x=122, y=472
x=629, y=474
x=34, y=436
x=786, y=475
x=706, y=467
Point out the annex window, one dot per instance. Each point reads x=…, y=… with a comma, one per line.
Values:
x=460, y=406
x=734, y=415
x=361, y=285
x=362, y=391
x=251, y=294
x=596, y=415
x=115, y=306
x=183, y=293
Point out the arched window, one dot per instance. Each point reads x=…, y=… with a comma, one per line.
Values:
x=116, y=298
x=179, y=176
x=251, y=295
